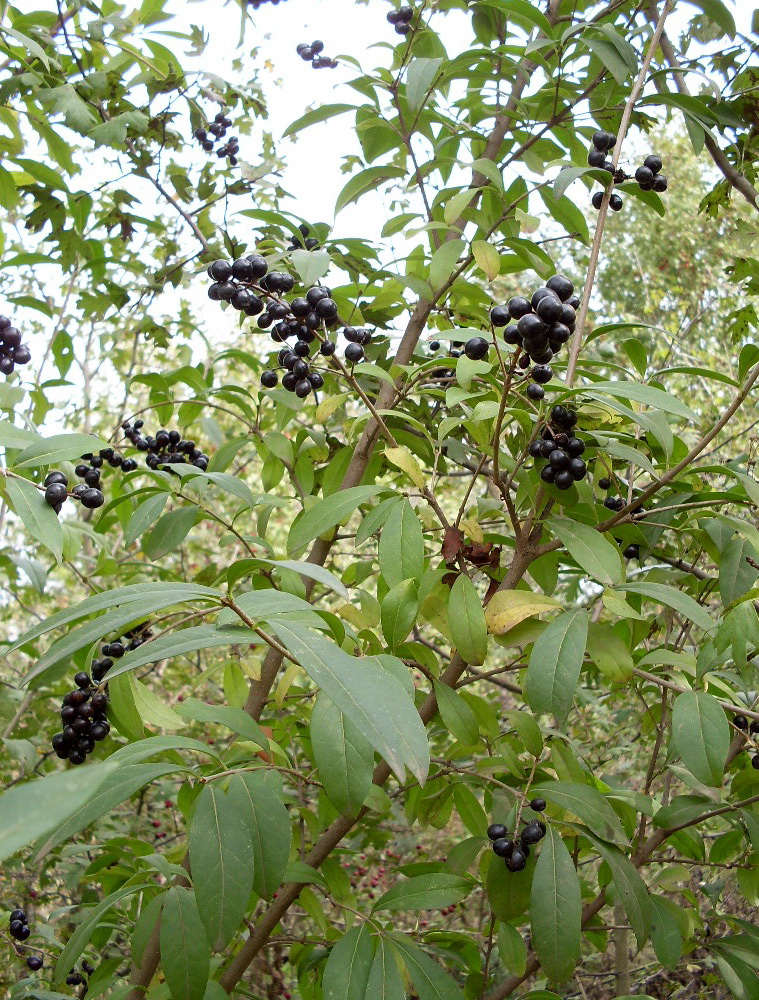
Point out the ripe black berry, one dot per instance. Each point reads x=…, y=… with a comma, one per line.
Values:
x=631, y=552
x=740, y=721
x=269, y=379
x=21, y=915
x=596, y=158
x=517, y=860
x=754, y=764
x=604, y=483
x=476, y=348
x=303, y=388
x=603, y=141
x=34, y=962
x=503, y=847
x=548, y=474
x=563, y=479
x=496, y=830
x=578, y=468
x=220, y=270
x=549, y=309
x=354, y=353
x=518, y=306
x=561, y=285
x=615, y=202
x=660, y=183
x=55, y=477
x=500, y=315
x=537, y=805
x=644, y=176
x=82, y=679
x=535, y=392
x=653, y=163
x=541, y=374
x=532, y=833
x=754, y=727
x=55, y=493
x=91, y=498
x=597, y=198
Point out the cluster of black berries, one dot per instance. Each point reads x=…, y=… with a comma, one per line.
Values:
x=252, y=289
x=218, y=129
x=516, y=852
x=401, y=19
x=115, y=650
x=741, y=722
x=648, y=176
x=165, y=449
x=12, y=351
x=309, y=242
x=56, y=491
x=562, y=448
x=312, y=53
x=84, y=718
x=603, y=143
x=75, y=978
x=18, y=928
x=544, y=324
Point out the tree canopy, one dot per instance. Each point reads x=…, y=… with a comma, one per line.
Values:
x=379, y=597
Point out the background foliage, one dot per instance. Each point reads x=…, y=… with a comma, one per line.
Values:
x=375, y=631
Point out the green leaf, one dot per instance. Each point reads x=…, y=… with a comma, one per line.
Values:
x=664, y=594
x=444, y=261
x=266, y=818
x=58, y=448
x=233, y=718
x=186, y=640
x=185, y=955
x=609, y=653
x=349, y=966
x=37, y=516
x=457, y=715
x=420, y=76
x=657, y=399
x=136, y=592
x=401, y=546
x=398, y=612
x=665, y=932
x=385, y=981
x=62, y=792
x=527, y=729
x=144, y=517
x=374, y=702
x=367, y=180
x=587, y=803
x=469, y=809
x=310, y=265
x=555, y=664
x=430, y=981
x=466, y=619
x=116, y=786
x=151, y=709
x=169, y=533
x=508, y=892
x=701, y=735
x=12, y=436
x=222, y=863
x=590, y=549
x=326, y=513
x=633, y=892
x=512, y=949
x=425, y=892
x=555, y=909
x=487, y=258
x=344, y=758
x=311, y=571
x=609, y=56
x=81, y=936
x=320, y=114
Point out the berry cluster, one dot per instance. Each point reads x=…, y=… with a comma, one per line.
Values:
x=312, y=53
x=56, y=491
x=111, y=651
x=12, y=351
x=84, y=718
x=18, y=928
x=401, y=19
x=516, y=852
x=544, y=324
x=218, y=129
x=741, y=722
x=562, y=449
x=648, y=176
x=75, y=978
x=603, y=143
x=165, y=449
x=309, y=242
x=252, y=289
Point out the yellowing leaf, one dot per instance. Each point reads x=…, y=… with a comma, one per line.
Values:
x=508, y=608
x=151, y=709
x=471, y=527
x=487, y=258
x=328, y=406
x=405, y=461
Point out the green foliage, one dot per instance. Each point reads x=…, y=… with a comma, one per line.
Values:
x=364, y=629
